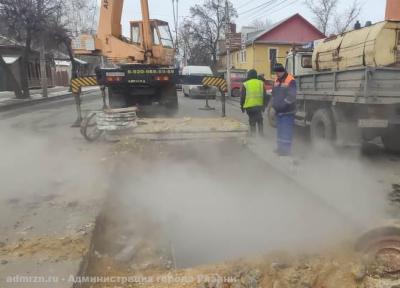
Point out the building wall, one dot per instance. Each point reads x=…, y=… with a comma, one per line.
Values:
x=257, y=57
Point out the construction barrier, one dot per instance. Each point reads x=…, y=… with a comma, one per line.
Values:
x=78, y=83
x=76, y=87
x=218, y=82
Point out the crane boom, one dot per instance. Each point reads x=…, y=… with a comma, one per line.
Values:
x=110, y=18
x=147, y=33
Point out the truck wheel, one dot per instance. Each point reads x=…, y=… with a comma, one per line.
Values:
x=391, y=141
x=271, y=116
x=322, y=126
x=116, y=100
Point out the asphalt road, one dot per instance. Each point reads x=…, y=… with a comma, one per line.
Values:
x=241, y=200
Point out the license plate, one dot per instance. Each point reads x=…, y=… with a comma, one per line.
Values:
x=373, y=123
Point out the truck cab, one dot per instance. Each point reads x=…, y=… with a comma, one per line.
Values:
x=299, y=61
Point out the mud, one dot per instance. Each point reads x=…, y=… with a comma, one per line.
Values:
x=47, y=248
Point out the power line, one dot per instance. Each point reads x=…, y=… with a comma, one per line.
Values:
x=288, y=5
x=262, y=6
x=245, y=4
x=258, y=14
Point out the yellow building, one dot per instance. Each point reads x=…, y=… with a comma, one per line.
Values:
x=260, y=57
x=264, y=49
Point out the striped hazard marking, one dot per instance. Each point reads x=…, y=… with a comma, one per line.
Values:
x=215, y=81
x=78, y=83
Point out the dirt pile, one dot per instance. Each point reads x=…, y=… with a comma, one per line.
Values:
x=47, y=248
x=327, y=270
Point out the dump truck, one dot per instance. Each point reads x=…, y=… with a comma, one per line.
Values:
x=349, y=86
x=136, y=71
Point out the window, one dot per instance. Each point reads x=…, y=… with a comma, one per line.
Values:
x=273, y=54
x=243, y=56
x=166, y=37
x=306, y=61
x=156, y=40
x=135, y=33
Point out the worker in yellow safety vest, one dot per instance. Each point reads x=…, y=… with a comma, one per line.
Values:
x=254, y=101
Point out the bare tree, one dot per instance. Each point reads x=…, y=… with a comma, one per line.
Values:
x=323, y=11
x=207, y=25
x=193, y=51
x=26, y=21
x=260, y=24
x=62, y=40
x=329, y=19
x=81, y=16
x=345, y=20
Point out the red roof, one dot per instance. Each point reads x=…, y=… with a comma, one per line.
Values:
x=295, y=29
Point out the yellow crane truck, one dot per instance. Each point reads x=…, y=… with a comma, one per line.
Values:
x=136, y=71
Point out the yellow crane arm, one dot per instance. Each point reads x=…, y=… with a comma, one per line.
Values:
x=147, y=33
x=110, y=43
x=110, y=21
x=110, y=18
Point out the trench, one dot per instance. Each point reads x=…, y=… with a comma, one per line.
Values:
x=177, y=206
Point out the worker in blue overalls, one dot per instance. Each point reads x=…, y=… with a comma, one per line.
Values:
x=284, y=102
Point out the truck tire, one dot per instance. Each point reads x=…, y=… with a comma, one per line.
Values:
x=322, y=126
x=116, y=99
x=271, y=115
x=391, y=141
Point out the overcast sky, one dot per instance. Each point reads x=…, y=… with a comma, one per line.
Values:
x=373, y=10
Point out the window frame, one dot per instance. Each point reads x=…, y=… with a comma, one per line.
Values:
x=271, y=63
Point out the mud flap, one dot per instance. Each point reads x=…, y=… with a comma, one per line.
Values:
x=348, y=134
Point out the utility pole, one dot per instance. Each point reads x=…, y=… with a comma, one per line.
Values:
x=43, y=68
x=176, y=19
x=228, y=56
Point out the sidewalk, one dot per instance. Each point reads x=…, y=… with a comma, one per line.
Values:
x=8, y=100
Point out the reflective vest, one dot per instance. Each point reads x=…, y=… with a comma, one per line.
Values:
x=285, y=83
x=254, y=93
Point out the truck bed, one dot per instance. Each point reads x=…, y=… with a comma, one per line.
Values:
x=361, y=85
